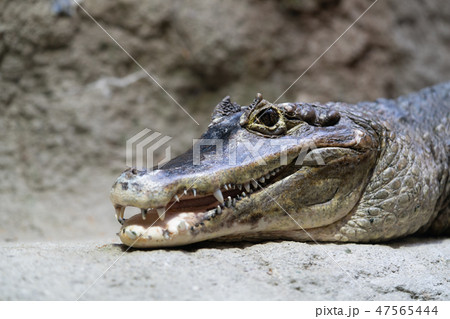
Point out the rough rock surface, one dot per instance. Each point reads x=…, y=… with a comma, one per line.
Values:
x=70, y=98
x=413, y=269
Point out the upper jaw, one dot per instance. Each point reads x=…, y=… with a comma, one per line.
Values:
x=210, y=200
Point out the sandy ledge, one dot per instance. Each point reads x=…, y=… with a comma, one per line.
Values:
x=410, y=269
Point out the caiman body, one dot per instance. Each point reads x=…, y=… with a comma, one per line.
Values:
x=368, y=172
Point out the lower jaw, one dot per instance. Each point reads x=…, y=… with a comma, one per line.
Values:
x=137, y=231
x=179, y=230
x=176, y=228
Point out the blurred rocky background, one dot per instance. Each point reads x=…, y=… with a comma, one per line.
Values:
x=70, y=97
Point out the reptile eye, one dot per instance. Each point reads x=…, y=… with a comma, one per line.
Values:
x=268, y=117
x=267, y=120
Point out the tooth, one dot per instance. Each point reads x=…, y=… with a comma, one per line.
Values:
x=185, y=192
x=273, y=173
x=247, y=187
x=228, y=203
x=143, y=213
x=267, y=176
x=239, y=187
x=244, y=194
x=119, y=214
x=176, y=198
x=194, y=191
x=262, y=179
x=219, y=210
x=176, y=225
x=161, y=213
x=225, y=186
x=233, y=202
x=254, y=183
x=218, y=195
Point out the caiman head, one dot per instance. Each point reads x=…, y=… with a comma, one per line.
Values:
x=258, y=172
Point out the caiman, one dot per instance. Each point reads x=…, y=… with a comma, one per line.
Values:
x=335, y=172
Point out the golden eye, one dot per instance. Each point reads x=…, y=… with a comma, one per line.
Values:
x=268, y=117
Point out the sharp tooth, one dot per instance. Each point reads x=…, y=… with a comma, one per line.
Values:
x=262, y=179
x=194, y=191
x=267, y=176
x=239, y=187
x=176, y=198
x=143, y=213
x=273, y=173
x=244, y=194
x=254, y=183
x=219, y=210
x=119, y=214
x=218, y=195
x=233, y=202
x=161, y=213
x=247, y=187
x=225, y=186
x=185, y=192
x=228, y=202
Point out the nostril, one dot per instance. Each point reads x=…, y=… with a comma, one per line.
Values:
x=133, y=171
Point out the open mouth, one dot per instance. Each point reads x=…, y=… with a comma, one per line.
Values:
x=188, y=210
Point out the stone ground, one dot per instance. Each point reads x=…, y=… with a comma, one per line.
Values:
x=409, y=269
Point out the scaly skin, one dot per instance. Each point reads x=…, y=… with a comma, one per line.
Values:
x=368, y=172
